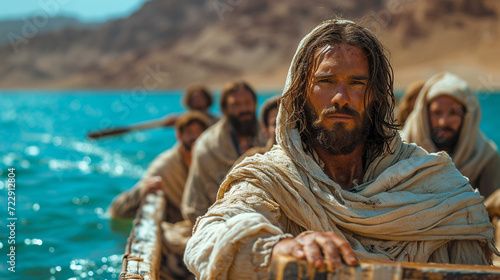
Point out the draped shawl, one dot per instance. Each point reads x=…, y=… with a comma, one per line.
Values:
x=213, y=156
x=411, y=206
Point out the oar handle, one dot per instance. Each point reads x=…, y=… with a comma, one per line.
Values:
x=108, y=132
x=120, y=130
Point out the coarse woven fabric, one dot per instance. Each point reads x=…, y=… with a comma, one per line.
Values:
x=475, y=156
x=170, y=166
x=213, y=156
x=411, y=206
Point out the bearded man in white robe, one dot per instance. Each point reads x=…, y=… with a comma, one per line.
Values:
x=340, y=185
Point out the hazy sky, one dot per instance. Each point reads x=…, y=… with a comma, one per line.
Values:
x=84, y=10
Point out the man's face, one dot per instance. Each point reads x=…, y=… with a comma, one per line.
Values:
x=445, y=116
x=335, y=107
x=240, y=111
x=198, y=101
x=189, y=135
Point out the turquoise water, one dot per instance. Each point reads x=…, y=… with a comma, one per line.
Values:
x=65, y=182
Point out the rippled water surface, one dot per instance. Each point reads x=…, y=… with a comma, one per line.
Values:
x=65, y=182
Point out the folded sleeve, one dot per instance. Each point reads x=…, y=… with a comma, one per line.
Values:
x=127, y=203
x=235, y=238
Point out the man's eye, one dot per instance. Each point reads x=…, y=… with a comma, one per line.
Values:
x=324, y=81
x=456, y=113
x=358, y=83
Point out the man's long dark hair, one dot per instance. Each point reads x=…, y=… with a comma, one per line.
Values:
x=380, y=83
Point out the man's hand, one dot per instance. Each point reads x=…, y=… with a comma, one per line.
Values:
x=318, y=248
x=153, y=184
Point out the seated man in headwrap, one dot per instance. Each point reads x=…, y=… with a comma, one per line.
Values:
x=168, y=171
x=219, y=146
x=446, y=118
x=340, y=184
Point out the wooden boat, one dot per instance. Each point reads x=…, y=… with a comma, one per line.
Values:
x=142, y=258
x=291, y=268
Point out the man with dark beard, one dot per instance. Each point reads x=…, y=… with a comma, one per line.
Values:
x=168, y=171
x=269, y=112
x=345, y=141
x=340, y=186
x=446, y=118
x=219, y=147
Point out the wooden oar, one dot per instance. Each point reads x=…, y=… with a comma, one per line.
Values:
x=289, y=268
x=120, y=130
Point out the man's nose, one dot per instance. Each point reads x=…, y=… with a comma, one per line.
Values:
x=244, y=107
x=194, y=136
x=340, y=95
x=443, y=120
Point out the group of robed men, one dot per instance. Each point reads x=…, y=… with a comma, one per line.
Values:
x=342, y=184
x=191, y=177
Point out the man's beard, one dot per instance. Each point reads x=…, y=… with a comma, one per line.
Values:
x=243, y=128
x=442, y=142
x=188, y=145
x=338, y=140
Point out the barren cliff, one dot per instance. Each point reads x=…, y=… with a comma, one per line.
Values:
x=169, y=43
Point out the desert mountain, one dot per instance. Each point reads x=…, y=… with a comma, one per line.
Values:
x=9, y=29
x=170, y=43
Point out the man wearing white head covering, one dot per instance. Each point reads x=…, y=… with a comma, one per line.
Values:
x=340, y=184
x=220, y=146
x=446, y=117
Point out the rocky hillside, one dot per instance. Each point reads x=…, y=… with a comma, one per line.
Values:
x=455, y=35
x=172, y=43
x=9, y=29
